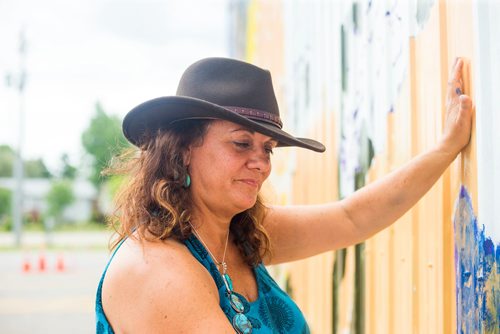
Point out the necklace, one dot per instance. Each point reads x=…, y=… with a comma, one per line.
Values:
x=240, y=321
x=223, y=264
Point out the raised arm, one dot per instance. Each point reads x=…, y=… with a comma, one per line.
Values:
x=297, y=232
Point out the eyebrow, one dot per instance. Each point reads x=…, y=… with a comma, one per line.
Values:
x=243, y=129
x=253, y=132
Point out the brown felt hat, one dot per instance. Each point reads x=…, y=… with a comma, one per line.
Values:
x=216, y=88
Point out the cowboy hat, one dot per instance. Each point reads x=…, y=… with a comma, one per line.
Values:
x=216, y=88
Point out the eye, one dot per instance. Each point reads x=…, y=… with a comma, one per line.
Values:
x=241, y=144
x=269, y=149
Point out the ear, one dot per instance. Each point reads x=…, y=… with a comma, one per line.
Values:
x=186, y=156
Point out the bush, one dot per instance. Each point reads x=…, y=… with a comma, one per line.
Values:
x=6, y=223
x=5, y=202
x=59, y=197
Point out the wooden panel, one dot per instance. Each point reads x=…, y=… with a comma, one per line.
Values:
x=311, y=279
x=460, y=43
x=379, y=303
x=427, y=130
x=410, y=284
x=459, y=25
x=450, y=183
x=427, y=304
x=399, y=146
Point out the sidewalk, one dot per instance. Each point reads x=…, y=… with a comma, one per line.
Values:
x=57, y=297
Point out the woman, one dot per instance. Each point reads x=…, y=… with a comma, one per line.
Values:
x=194, y=234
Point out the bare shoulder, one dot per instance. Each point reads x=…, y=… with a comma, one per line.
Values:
x=157, y=287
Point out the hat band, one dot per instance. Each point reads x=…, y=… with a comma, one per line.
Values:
x=257, y=115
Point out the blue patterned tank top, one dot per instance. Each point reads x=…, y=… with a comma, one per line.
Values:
x=273, y=311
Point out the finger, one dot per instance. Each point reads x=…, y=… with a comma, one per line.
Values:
x=455, y=89
x=465, y=109
x=455, y=85
x=457, y=70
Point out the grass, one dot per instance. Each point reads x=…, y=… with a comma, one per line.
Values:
x=36, y=233
x=89, y=226
x=55, y=248
x=81, y=227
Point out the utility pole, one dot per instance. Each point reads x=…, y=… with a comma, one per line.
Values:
x=19, y=82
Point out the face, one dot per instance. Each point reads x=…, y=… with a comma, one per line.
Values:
x=227, y=170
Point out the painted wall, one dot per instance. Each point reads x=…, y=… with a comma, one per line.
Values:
x=477, y=231
x=368, y=78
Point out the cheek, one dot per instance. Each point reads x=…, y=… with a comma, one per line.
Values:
x=269, y=170
x=213, y=170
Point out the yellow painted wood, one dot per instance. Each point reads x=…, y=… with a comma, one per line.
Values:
x=427, y=125
x=399, y=148
x=346, y=293
x=450, y=183
x=311, y=279
x=378, y=270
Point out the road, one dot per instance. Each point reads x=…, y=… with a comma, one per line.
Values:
x=55, y=298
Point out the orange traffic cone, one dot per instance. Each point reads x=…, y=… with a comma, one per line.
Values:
x=60, y=263
x=26, y=265
x=42, y=263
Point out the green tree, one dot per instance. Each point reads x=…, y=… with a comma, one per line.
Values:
x=5, y=202
x=59, y=198
x=102, y=140
x=6, y=160
x=32, y=168
x=36, y=168
x=5, y=209
x=68, y=171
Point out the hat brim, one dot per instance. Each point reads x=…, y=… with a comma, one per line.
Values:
x=161, y=112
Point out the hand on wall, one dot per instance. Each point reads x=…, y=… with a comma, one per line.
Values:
x=458, y=122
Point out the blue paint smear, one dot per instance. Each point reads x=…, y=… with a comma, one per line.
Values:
x=477, y=268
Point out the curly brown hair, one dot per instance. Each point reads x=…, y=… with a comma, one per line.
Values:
x=154, y=202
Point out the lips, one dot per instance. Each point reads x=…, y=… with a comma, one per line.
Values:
x=251, y=182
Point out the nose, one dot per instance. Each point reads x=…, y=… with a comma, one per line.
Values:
x=260, y=160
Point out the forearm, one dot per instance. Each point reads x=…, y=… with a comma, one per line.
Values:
x=297, y=232
x=381, y=203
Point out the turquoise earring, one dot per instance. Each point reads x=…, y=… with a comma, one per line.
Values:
x=187, y=181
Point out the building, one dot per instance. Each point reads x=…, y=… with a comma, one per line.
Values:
x=35, y=192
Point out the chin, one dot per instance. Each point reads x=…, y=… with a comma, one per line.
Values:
x=246, y=204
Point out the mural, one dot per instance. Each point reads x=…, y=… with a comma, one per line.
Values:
x=374, y=53
x=477, y=272
x=477, y=240
x=346, y=62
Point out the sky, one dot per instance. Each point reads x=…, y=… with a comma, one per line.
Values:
x=78, y=52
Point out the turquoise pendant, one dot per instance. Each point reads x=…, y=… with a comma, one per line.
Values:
x=228, y=281
x=242, y=324
x=236, y=303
